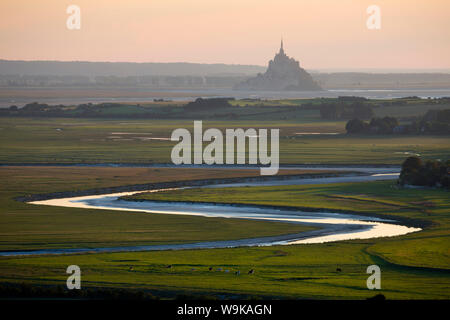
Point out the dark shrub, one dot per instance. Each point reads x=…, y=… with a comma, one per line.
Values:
x=432, y=173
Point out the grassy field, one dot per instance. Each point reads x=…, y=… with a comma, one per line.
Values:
x=428, y=248
x=25, y=226
x=415, y=266
x=26, y=140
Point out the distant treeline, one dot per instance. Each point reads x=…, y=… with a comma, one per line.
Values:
x=349, y=107
x=360, y=80
x=356, y=108
x=433, y=122
x=122, y=69
x=88, y=110
x=345, y=107
x=431, y=173
x=115, y=110
x=156, y=81
x=337, y=111
x=208, y=104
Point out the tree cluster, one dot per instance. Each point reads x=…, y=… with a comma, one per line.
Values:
x=433, y=122
x=208, y=104
x=345, y=110
x=384, y=125
x=431, y=173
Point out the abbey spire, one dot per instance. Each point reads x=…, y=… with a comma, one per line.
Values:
x=283, y=74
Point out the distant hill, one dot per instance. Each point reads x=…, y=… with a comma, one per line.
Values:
x=183, y=75
x=359, y=80
x=122, y=69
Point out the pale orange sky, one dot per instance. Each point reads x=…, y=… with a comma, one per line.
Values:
x=321, y=34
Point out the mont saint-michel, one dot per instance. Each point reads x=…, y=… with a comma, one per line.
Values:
x=283, y=74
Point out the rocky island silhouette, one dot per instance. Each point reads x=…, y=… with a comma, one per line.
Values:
x=283, y=74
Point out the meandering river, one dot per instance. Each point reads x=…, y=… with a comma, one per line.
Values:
x=329, y=226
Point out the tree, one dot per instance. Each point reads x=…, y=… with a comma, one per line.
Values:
x=432, y=173
x=356, y=126
x=412, y=163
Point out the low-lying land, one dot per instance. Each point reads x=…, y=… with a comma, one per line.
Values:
x=427, y=208
x=341, y=108
x=119, y=133
x=27, y=227
x=28, y=140
x=414, y=266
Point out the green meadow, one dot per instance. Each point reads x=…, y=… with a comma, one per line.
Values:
x=427, y=208
x=60, y=140
x=28, y=227
x=414, y=266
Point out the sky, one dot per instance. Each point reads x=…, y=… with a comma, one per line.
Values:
x=321, y=34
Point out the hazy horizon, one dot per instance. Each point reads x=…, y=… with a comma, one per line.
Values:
x=315, y=70
x=322, y=35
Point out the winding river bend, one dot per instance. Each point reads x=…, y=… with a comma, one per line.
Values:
x=330, y=226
